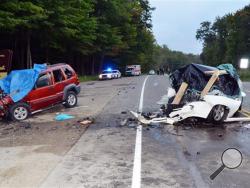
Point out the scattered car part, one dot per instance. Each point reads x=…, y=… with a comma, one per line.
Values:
x=86, y=122
x=145, y=121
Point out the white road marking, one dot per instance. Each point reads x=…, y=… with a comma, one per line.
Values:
x=136, y=179
x=142, y=95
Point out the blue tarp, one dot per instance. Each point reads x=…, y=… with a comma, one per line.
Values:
x=63, y=117
x=19, y=83
x=230, y=70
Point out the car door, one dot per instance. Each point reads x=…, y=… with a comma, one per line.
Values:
x=43, y=94
x=59, y=83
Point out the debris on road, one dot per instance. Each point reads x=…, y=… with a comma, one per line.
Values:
x=124, y=122
x=146, y=121
x=130, y=122
x=220, y=135
x=247, y=126
x=132, y=125
x=63, y=117
x=86, y=121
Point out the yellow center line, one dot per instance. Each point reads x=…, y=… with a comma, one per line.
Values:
x=245, y=112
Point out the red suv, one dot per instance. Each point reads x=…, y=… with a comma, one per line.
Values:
x=57, y=84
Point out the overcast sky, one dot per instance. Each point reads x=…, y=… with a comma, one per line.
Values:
x=175, y=21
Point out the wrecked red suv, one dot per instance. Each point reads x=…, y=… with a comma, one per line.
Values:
x=57, y=84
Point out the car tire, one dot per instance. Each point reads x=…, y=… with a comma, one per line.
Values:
x=71, y=100
x=19, y=111
x=218, y=114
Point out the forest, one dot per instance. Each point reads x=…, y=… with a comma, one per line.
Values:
x=83, y=33
x=227, y=39
x=87, y=34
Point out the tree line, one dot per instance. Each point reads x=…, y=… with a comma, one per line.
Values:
x=227, y=39
x=170, y=60
x=83, y=33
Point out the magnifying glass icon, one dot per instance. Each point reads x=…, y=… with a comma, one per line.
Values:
x=231, y=158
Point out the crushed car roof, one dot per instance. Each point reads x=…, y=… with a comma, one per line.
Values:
x=195, y=76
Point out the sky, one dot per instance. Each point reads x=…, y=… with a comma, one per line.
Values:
x=175, y=21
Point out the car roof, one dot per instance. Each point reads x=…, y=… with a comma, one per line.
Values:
x=54, y=66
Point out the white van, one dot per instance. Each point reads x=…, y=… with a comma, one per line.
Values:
x=133, y=70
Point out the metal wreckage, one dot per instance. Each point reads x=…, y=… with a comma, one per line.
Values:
x=199, y=92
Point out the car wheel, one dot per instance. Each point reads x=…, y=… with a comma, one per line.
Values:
x=19, y=111
x=218, y=114
x=71, y=100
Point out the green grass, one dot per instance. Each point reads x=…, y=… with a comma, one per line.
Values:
x=244, y=75
x=88, y=78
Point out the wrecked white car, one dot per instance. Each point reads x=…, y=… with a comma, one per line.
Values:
x=201, y=92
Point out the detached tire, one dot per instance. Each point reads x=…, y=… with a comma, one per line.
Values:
x=218, y=114
x=71, y=99
x=19, y=111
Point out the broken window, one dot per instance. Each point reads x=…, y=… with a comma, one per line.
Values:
x=43, y=80
x=68, y=73
x=58, y=76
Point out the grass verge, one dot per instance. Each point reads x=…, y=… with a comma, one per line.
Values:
x=244, y=75
x=88, y=78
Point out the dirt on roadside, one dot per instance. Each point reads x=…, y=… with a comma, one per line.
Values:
x=56, y=137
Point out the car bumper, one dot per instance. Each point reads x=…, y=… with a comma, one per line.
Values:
x=106, y=78
x=2, y=112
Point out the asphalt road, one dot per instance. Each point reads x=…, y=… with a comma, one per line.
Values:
x=111, y=154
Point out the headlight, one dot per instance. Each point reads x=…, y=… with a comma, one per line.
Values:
x=109, y=75
x=100, y=76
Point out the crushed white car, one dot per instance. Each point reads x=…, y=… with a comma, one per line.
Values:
x=201, y=92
